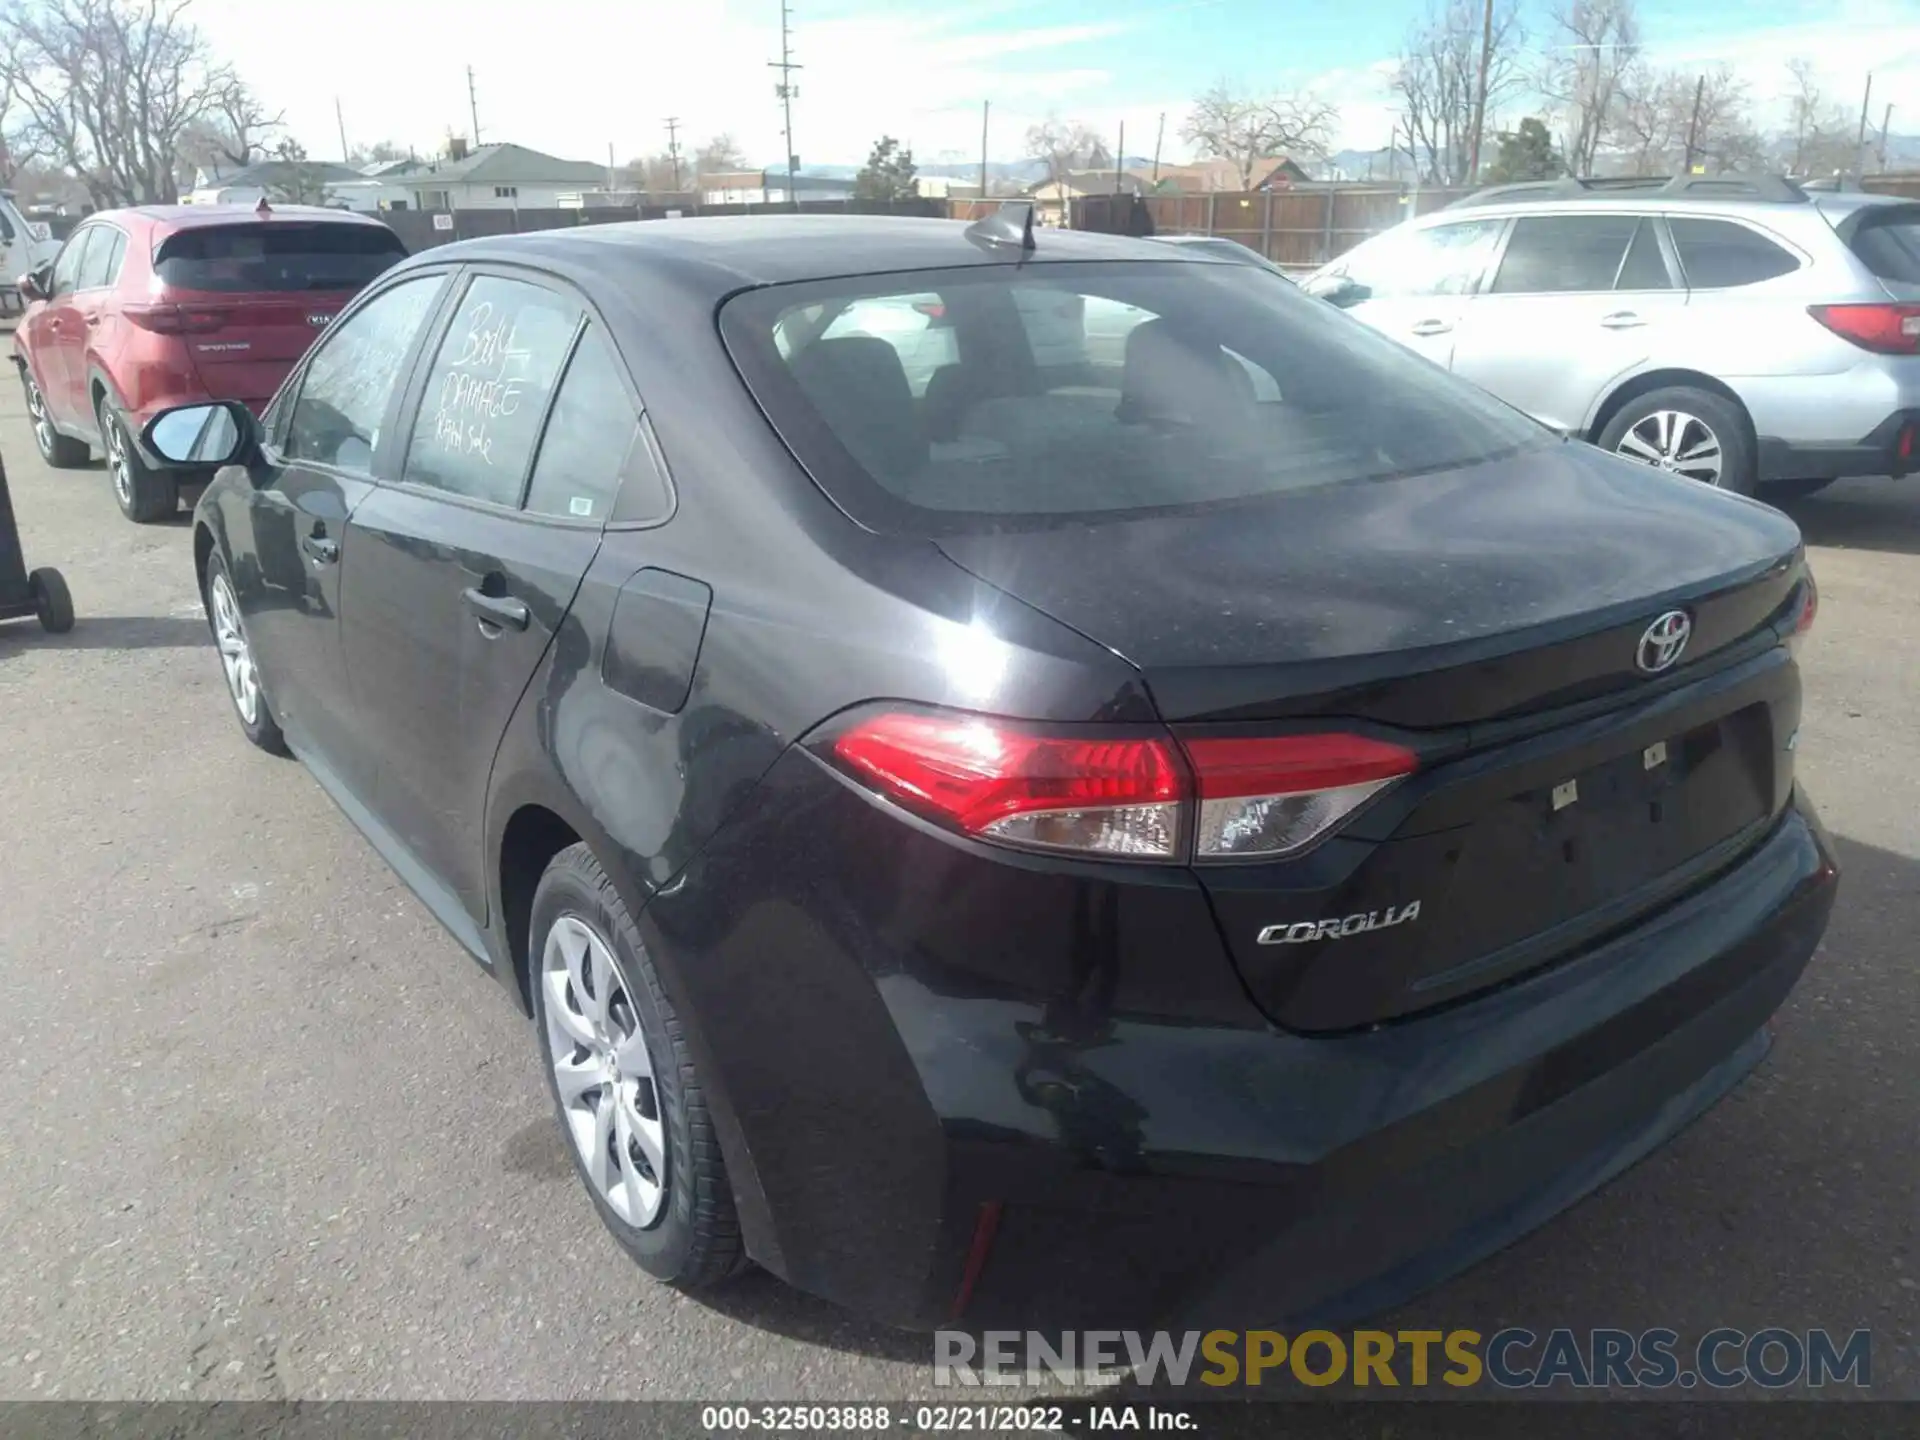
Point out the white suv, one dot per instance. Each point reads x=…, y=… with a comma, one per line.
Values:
x=1743, y=332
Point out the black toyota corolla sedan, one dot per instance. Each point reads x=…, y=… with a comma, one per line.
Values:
x=1057, y=780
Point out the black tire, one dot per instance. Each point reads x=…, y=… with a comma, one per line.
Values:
x=144, y=493
x=263, y=730
x=52, y=601
x=62, y=452
x=695, y=1241
x=1785, y=492
x=1726, y=419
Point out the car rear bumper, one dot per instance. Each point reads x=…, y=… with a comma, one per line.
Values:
x=1890, y=448
x=914, y=1133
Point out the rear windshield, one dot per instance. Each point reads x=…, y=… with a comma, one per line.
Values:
x=1890, y=245
x=996, y=396
x=263, y=257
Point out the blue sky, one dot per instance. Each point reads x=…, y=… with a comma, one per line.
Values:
x=575, y=76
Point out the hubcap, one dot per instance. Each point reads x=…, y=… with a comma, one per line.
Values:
x=117, y=459
x=1676, y=441
x=236, y=656
x=42, y=426
x=604, y=1072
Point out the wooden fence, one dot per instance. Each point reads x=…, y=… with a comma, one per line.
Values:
x=1297, y=228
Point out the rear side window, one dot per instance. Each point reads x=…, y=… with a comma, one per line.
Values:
x=349, y=382
x=276, y=256
x=589, y=437
x=488, y=389
x=1718, y=254
x=1551, y=253
x=1221, y=383
x=102, y=264
x=68, y=264
x=1890, y=247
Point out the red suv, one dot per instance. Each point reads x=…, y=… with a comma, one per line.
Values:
x=168, y=305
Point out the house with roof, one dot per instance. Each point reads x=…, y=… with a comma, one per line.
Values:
x=1201, y=177
x=486, y=177
x=280, y=182
x=1053, y=198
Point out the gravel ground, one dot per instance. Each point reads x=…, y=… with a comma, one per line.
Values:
x=268, y=1135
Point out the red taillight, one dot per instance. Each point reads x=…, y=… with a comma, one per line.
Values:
x=1127, y=796
x=999, y=781
x=1273, y=796
x=1809, y=606
x=1884, y=329
x=932, y=309
x=173, y=319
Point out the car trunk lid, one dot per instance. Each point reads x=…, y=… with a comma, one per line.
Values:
x=1492, y=622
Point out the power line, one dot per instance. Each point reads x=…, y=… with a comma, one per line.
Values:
x=787, y=90
x=673, y=149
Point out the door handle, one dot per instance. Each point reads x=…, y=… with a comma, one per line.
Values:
x=321, y=548
x=1621, y=320
x=1433, y=327
x=498, y=610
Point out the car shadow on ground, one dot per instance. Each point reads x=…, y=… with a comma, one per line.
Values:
x=1692, y=1235
x=110, y=632
x=1879, y=515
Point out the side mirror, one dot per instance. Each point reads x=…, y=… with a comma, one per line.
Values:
x=198, y=436
x=1338, y=290
x=33, y=285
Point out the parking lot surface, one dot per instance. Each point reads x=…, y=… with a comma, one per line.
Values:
x=267, y=1134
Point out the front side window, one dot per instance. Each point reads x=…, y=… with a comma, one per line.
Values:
x=1223, y=384
x=67, y=268
x=488, y=389
x=1564, y=254
x=350, y=380
x=1718, y=254
x=1440, y=260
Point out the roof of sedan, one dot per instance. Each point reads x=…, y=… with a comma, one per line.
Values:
x=743, y=250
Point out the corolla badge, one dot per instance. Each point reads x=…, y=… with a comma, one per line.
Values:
x=1662, y=642
x=1301, y=931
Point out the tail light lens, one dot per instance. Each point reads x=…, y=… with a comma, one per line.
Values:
x=173, y=319
x=1807, y=603
x=1883, y=329
x=1139, y=797
x=1270, y=797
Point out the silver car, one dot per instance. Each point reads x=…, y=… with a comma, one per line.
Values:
x=1742, y=332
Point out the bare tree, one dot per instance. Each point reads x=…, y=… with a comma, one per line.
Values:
x=378, y=153
x=108, y=88
x=1823, y=136
x=656, y=174
x=1062, y=146
x=1438, y=81
x=1596, y=44
x=1228, y=126
x=719, y=155
x=1660, y=127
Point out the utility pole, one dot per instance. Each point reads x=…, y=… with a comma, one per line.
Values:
x=986, y=109
x=1693, y=125
x=1860, y=143
x=1159, y=134
x=1886, y=127
x=1480, y=106
x=612, y=181
x=786, y=90
x=673, y=149
x=473, y=107
x=1119, y=157
x=341, y=119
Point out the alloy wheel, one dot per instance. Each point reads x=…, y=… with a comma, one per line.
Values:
x=603, y=1072
x=236, y=656
x=1675, y=441
x=118, y=460
x=42, y=426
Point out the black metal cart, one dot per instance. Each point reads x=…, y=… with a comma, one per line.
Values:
x=42, y=593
